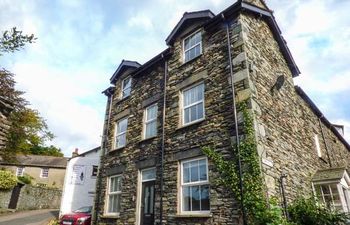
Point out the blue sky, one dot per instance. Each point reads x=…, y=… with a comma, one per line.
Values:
x=81, y=42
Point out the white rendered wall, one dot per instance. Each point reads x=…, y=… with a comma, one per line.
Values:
x=79, y=192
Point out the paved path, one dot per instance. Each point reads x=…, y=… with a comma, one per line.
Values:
x=34, y=217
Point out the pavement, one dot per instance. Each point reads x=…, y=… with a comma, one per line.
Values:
x=33, y=217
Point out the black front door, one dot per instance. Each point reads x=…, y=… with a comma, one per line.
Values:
x=147, y=203
x=14, y=196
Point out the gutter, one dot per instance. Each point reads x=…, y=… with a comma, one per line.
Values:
x=109, y=93
x=236, y=121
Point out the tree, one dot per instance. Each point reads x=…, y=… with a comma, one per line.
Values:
x=14, y=40
x=28, y=131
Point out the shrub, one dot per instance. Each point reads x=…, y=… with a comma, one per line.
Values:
x=26, y=179
x=306, y=211
x=7, y=180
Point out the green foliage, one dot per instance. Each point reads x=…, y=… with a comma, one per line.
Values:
x=7, y=180
x=43, y=150
x=27, y=131
x=259, y=210
x=14, y=40
x=26, y=179
x=305, y=211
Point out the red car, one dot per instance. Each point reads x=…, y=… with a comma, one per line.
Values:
x=81, y=216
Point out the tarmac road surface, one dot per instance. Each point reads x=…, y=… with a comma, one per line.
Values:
x=34, y=217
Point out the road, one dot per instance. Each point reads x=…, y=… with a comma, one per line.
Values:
x=34, y=217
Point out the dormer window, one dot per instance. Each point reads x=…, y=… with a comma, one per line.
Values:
x=192, y=46
x=126, y=87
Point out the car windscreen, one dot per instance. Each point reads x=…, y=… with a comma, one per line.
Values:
x=85, y=209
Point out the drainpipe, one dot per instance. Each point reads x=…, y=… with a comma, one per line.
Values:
x=285, y=206
x=163, y=142
x=325, y=142
x=236, y=121
x=103, y=152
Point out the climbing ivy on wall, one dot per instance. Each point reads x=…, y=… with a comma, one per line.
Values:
x=259, y=209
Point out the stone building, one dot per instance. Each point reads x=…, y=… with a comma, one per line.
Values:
x=47, y=171
x=160, y=114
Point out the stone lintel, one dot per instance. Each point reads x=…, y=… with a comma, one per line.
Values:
x=146, y=163
x=115, y=170
x=188, y=154
x=192, y=79
x=150, y=100
x=122, y=114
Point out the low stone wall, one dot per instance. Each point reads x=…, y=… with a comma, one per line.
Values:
x=33, y=198
x=5, y=198
x=39, y=198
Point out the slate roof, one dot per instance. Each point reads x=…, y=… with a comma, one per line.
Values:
x=39, y=161
x=329, y=174
x=124, y=65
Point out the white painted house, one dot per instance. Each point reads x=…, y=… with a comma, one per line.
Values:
x=80, y=180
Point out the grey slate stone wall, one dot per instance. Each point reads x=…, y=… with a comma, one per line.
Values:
x=284, y=123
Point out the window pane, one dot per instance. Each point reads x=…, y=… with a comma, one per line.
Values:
x=187, y=56
x=325, y=189
x=205, y=203
x=197, y=50
x=187, y=43
x=151, y=129
x=195, y=198
x=203, y=169
x=200, y=113
x=115, y=184
x=186, y=172
x=122, y=126
x=194, y=171
x=114, y=203
x=149, y=174
x=192, y=53
x=151, y=112
x=186, y=200
x=126, y=87
x=121, y=140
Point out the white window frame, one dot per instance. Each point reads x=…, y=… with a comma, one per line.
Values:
x=190, y=48
x=43, y=172
x=116, y=134
x=318, y=148
x=197, y=183
x=146, y=122
x=124, y=88
x=20, y=171
x=108, y=193
x=193, y=104
x=341, y=189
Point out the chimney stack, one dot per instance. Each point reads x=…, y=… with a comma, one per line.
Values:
x=75, y=153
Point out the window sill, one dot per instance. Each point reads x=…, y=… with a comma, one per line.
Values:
x=199, y=215
x=122, y=99
x=147, y=139
x=191, y=124
x=117, y=149
x=191, y=60
x=116, y=216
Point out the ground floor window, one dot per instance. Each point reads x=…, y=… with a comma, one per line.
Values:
x=195, y=187
x=334, y=196
x=114, y=194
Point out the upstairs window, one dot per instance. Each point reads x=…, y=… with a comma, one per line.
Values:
x=126, y=87
x=150, y=127
x=193, y=104
x=44, y=173
x=192, y=46
x=120, y=133
x=20, y=171
x=94, y=171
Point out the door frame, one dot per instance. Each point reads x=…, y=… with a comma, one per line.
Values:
x=139, y=194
